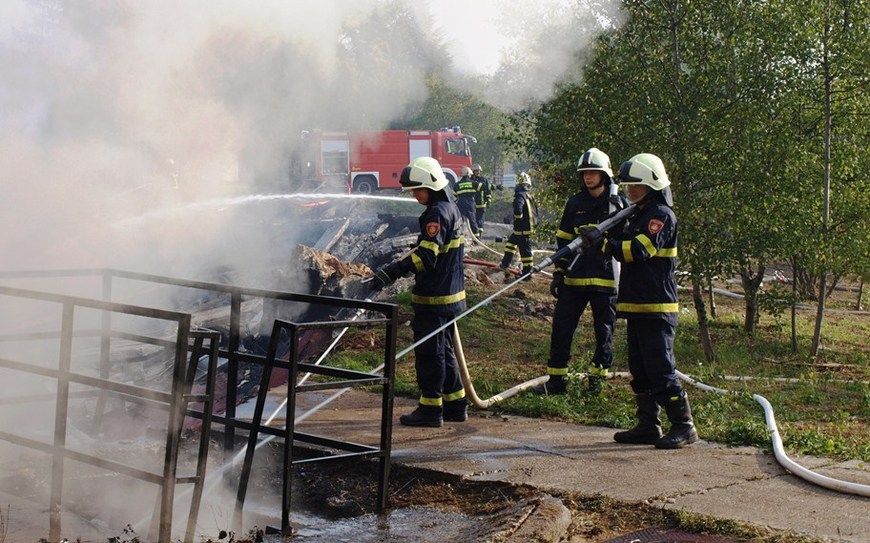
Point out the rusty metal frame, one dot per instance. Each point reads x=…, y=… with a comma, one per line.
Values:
x=237, y=293
x=176, y=401
x=233, y=356
x=349, y=378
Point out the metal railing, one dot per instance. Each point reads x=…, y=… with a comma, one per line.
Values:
x=349, y=378
x=232, y=353
x=176, y=401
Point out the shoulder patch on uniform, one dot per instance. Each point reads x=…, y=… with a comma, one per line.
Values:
x=654, y=226
x=433, y=228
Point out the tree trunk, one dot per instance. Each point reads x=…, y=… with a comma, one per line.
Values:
x=826, y=207
x=860, y=293
x=794, y=341
x=703, y=324
x=751, y=282
x=712, y=297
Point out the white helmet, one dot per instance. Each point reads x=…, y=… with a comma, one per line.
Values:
x=646, y=169
x=524, y=179
x=477, y=168
x=423, y=172
x=466, y=170
x=596, y=160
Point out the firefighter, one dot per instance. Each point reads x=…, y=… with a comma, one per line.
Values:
x=647, y=299
x=524, y=222
x=466, y=190
x=438, y=294
x=483, y=198
x=586, y=279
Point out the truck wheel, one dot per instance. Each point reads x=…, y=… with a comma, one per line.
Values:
x=365, y=184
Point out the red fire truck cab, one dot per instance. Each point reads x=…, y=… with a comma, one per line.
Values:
x=365, y=162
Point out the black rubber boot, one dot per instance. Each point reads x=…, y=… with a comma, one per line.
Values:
x=648, y=429
x=424, y=415
x=506, y=261
x=553, y=387
x=456, y=411
x=595, y=377
x=682, y=430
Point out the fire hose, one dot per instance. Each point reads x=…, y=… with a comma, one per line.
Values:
x=572, y=248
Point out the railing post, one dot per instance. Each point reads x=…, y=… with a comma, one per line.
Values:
x=256, y=424
x=387, y=410
x=173, y=434
x=105, y=349
x=289, y=426
x=60, y=419
x=233, y=370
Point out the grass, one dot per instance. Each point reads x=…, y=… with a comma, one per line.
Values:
x=825, y=413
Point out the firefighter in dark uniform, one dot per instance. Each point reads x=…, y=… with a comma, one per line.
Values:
x=466, y=190
x=483, y=198
x=585, y=279
x=438, y=294
x=647, y=299
x=524, y=222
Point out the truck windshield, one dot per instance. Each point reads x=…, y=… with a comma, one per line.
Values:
x=457, y=147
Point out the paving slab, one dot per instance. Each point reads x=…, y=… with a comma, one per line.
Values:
x=738, y=483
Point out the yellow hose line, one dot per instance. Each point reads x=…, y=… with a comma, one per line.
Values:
x=469, y=386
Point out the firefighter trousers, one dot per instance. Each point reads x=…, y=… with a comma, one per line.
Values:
x=651, y=358
x=435, y=362
x=479, y=216
x=519, y=243
x=468, y=212
x=569, y=308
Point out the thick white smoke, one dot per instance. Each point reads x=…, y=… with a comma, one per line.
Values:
x=115, y=110
x=112, y=110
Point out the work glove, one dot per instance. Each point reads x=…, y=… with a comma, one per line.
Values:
x=557, y=283
x=383, y=277
x=590, y=234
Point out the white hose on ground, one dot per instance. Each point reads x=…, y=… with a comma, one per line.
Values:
x=469, y=386
x=779, y=450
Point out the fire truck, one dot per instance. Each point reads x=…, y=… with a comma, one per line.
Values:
x=365, y=162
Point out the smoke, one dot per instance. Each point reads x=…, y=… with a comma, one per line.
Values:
x=112, y=110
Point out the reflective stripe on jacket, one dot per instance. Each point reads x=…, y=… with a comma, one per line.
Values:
x=524, y=217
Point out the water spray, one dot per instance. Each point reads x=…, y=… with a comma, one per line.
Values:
x=255, y=198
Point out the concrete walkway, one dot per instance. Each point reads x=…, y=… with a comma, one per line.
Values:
x=739, y=483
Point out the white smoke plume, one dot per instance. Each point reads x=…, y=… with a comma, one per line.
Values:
x=111, y=111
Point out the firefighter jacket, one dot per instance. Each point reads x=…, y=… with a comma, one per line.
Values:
x=483, y=197
x=524, y=211
x=592, y=270
x=436, y=261
x=647, y=248
x=466, y=187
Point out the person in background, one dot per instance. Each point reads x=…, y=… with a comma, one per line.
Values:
x=524, y=223
x=483, y=197
x=466, y=190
